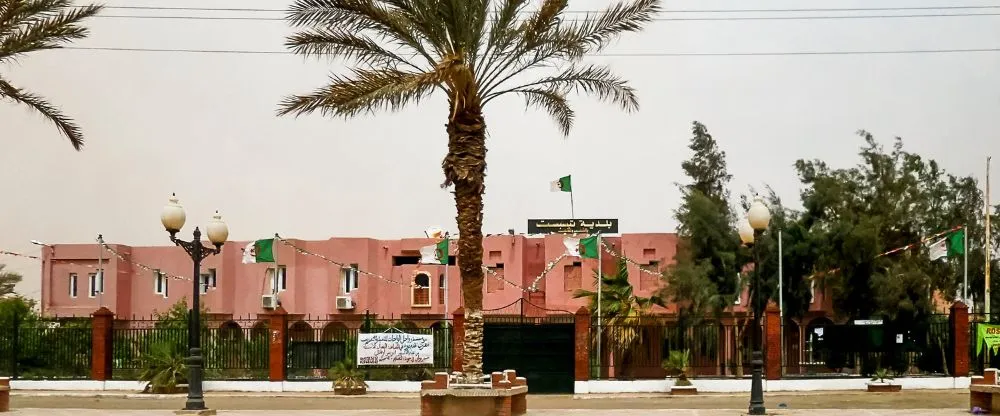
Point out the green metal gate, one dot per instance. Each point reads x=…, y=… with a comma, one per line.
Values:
x=536, y=342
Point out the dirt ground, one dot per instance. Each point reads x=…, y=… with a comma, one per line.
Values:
x=913, y=399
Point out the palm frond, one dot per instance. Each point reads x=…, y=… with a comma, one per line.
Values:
x=391, y=24
x=64, y=123
x=344, y=44
x=366, y=91
x=550, y=92
x=553, y=102
x=44, y=29
x=594, y=32
x=502, y=33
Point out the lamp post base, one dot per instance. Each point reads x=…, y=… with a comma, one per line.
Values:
x=757, y=385
x=202, y=412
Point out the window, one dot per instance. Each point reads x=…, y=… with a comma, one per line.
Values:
x=349, y=279
x=72, y=285
x=573, y=276
x=160, y=283
x=812, y=290
x=421, y=292
x=93, y=285
x=279, y=282
x=208, y=281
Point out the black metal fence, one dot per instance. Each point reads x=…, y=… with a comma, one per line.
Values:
x=316, y=346
x=641, y=348
x=860, y=348
x=45, y=349
x=232, y=349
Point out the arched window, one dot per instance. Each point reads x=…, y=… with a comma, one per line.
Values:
x=421, y=292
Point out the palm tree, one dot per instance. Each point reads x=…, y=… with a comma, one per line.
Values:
x=474, y=51
x=622, y=312
x=33, y=25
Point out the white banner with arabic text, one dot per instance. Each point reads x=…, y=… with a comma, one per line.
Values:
x=395, y=348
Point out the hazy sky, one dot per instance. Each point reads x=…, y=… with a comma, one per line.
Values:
x=203, y=125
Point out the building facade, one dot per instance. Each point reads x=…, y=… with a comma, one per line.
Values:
x=381, y=277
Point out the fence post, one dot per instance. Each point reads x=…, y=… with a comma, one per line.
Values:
x=959, y=325
x=277, y=324
x=772, y=334
x=581, y=367
x=458, y=339
x=102, y=324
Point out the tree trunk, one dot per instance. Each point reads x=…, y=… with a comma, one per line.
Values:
x=465, y=167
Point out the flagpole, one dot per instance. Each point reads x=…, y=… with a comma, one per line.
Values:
x=274, y=253
x=781, y=299
x=988, y=245
x=965, y=266
x=572, y=209
x=600, y=287
x=100, y=271
x=447, y=256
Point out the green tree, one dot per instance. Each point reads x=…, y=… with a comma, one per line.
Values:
x=705, y=275
x=28, y=26
x=8, y=280
x=474, y=51
x=890, y=200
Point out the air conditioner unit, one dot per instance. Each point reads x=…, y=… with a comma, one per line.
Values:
x=345, y=302
x=269, y=301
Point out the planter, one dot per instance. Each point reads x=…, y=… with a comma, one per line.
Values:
x=349, y=391
x=683, y=390
x=884, y=388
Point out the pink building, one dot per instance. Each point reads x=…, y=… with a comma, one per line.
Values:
x=392, y=283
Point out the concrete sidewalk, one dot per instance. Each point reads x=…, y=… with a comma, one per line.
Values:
x=566, y=412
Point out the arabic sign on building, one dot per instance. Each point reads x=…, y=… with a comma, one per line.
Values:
x=571, y=226
x=395, y=348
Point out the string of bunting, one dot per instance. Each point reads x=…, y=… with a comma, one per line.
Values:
x=140, y=265
x=897, y=249
x=11, y=253
x=497, y=276
x=342, y=265
x=628, y=260
x=548, y=268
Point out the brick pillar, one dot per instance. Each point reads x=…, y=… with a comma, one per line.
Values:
x=457, y=339
x=958, y=364
x=102, y=324
x=772, y=336
x=277, y=324
x=4, y=394
x=581, y=366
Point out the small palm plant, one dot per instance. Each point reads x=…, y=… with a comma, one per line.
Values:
x=347, y=379
x=882, y=376
x=163, y=368
x=678, y=362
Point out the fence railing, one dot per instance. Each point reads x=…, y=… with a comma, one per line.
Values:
x=315, y=346
x=232, y=349
x=34, y=349
x=641, y=350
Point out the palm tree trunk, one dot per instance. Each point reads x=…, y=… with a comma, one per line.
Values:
x=465, y=167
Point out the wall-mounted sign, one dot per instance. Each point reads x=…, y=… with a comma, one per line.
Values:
x=395, y=348
x=573, y=226
x=867, y=322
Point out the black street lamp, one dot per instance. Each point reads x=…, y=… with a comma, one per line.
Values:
x=750, y=231
x=173, y=218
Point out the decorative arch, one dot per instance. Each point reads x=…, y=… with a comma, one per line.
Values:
x=300, y=331
x=334, y=331
x=230, y=331
x=259, y=330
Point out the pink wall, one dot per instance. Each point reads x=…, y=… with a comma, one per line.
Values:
x=313, y=283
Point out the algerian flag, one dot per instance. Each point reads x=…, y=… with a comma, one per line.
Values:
x=951, y=245
x=956, y=243
x=564, y=184
x=938, y=249
x=581, y=247
x=260, y=251
x=436, y=254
